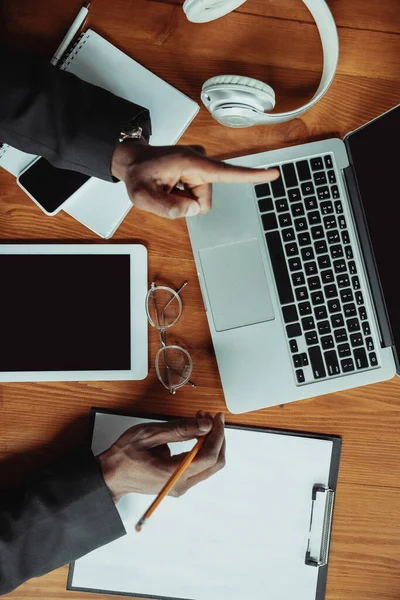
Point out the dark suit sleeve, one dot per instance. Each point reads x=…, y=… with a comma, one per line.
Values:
x=62, y=513
x=52, y=113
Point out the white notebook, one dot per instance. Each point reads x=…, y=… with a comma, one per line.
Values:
x=99, y=205
x=244, y=533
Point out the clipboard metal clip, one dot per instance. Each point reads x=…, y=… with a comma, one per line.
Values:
x=320, y=526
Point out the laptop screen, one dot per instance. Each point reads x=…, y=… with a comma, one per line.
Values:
x=375, y=157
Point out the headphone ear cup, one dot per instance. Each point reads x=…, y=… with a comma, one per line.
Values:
x=237, y=101
x=203, y=11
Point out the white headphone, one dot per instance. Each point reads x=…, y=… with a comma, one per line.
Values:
x=238, y=101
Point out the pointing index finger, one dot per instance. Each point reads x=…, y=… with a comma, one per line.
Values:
x=220, y=172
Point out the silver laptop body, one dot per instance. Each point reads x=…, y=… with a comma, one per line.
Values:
x=289, y=282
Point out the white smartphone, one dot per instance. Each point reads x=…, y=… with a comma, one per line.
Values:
x=49, y=187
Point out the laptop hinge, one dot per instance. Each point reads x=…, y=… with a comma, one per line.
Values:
x=369, y=260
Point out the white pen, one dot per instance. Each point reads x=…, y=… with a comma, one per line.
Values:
x=71, y=33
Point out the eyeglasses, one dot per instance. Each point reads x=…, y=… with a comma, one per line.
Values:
x=173, y=364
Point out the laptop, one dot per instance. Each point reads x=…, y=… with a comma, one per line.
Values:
x=299, y=276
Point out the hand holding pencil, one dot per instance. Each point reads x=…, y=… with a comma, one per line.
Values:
x=140, y=460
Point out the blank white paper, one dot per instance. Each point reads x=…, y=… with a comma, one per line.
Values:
x=240, y=535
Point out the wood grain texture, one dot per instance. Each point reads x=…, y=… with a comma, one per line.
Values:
x=277, y=42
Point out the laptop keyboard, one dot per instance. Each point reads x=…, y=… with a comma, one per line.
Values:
x=326, y=320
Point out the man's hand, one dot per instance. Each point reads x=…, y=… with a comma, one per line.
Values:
x=152, y=174
x=140, y=460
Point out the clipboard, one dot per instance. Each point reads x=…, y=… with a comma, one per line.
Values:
x=312, y=559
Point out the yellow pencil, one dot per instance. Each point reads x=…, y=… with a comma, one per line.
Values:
x=171, y=482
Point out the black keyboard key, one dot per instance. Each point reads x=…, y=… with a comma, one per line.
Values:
x=293, y=346
x=338, y=207
x=297, y=209
x=301, y=293
x=269, y=221
x=366, y=328
x=317, y=232
x=296, y=360
x=294, y=195
x=326, y=207
x=307, y=253
x=336, y=251
x=330, y=222
x=310, y=203
x=340, y=335
x=279, y=267
x=298, y=278
x=359, y=298
x=335, y=192
x=307, y=188
x=311, y=338
x=332, y=363
x=355, y=282
x=294, y=264
x=342, y=222
x=345, y=237
x=314, y=218
x=356, y=340
x=303, y=170
x=320, y=312
x=333, y=236
x=360, y=357
x=290, y=313
x=317, y=363
x=316, y=163
x=331, y=176
x=285, y=220
x=369, y=343
x=314, y=283
x=291, y=249
x=373, y=359
x=346, y=295
x=311, y=268
x=304, y=238
x=323, y=193
x=343, y=280
x=352, y=267
x=327, y=276
x=293, y=330
x=304, y=308
x=281, y=205
x=265, y=205
x=317, y=298
x=304, y=359
x=320, y=178
x=324, y=327
x=344, y=350
x=353, y=325
x=327, y=342
x=288, y=235
x=339, y=266
x=289, y=174
x=307, y=323
x=300, y=224
x=362, y=311
x=349, y=310
x=337, y=320
x=300, y=375
x=277, y=186
x=262, y=189
x=331, y=292
x=328, y=161
x=321, y=247
x=324, y=262
x=347, y=365
x=333, y=305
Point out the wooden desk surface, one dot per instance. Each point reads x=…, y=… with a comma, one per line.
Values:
x=277, y=42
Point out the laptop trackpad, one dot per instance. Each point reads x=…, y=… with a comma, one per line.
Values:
x=236, y=285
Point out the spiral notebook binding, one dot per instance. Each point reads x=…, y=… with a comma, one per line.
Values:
x=73, y=50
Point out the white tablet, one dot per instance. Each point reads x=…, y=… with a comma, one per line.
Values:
x=73, y=312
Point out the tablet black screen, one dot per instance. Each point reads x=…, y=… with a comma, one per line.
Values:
x=65, y=312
